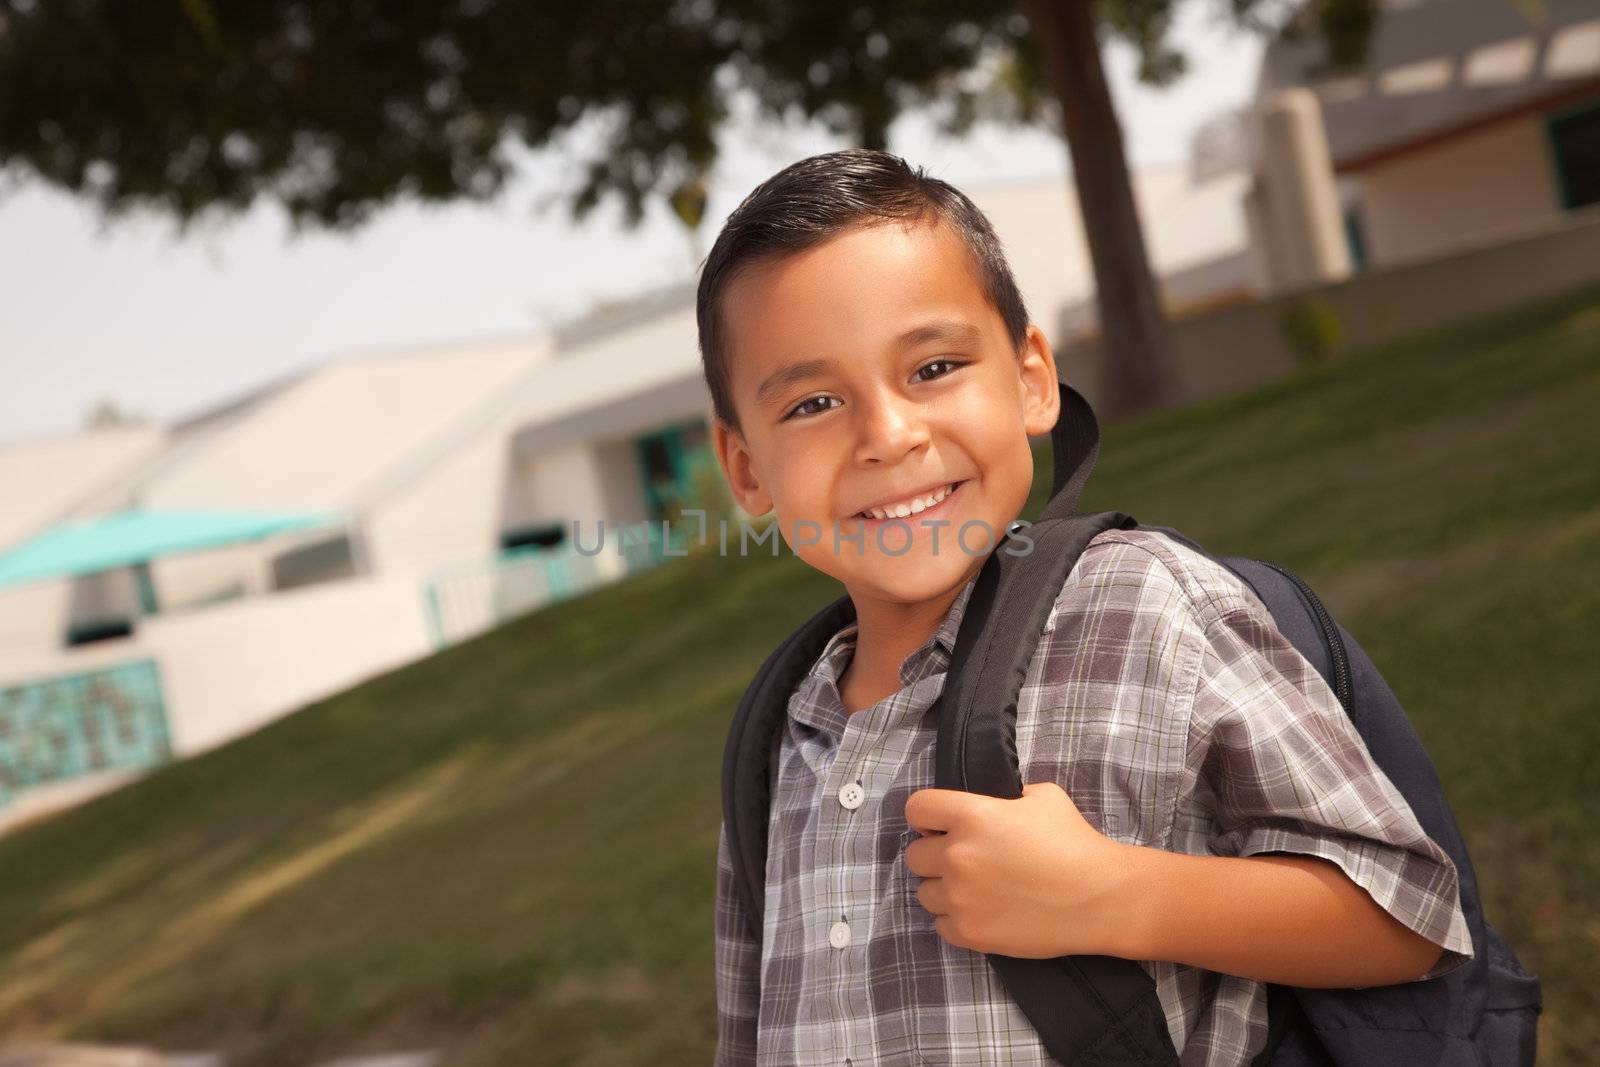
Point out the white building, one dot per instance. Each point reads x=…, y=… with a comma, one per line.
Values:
x=454, y=475
x=1474, y=122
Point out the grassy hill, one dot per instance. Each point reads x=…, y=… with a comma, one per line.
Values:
x=508, y=849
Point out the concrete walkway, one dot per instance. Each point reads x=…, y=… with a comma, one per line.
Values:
x=80, y=1055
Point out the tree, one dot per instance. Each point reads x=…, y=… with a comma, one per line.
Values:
x=334, y=108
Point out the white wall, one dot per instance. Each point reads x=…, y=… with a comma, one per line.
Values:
x=1187, y=226
x=231, y=668
x=579, y=483
x=202, y=577
x=620, y=482
x=33, y=618
x=1293, y=208
x=321, y=441
x=1467, y=192
x=456, y=512
x=449, y=514
x=1239, y=347
x=41, y=480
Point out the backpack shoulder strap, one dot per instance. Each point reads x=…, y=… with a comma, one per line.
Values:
x=1088, y=1010
x=747, y=754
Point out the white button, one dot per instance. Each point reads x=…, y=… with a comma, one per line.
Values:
x=839, y=934
x=851, y=795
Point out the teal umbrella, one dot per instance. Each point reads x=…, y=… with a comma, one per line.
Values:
x=134, y=538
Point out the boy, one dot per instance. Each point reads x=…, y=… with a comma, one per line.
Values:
x=871, y=365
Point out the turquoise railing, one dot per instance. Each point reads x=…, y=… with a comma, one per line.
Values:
x=72, y=725
x=468, y=598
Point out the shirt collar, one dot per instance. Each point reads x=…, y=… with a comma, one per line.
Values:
x=929, y=657
x=945, y=635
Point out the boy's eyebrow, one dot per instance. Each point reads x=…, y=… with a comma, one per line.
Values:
x=949, y=331
x=788, y=375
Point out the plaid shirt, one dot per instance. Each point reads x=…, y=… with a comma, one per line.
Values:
x=1175, y=715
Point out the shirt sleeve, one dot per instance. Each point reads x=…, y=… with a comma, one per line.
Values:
x=738, y=966
x=1288, y=772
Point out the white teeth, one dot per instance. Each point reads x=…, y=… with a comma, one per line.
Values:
x=910, y=507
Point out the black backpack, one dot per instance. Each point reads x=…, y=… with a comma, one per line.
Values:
x=1098, y=1011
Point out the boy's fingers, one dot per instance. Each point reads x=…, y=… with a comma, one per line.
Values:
x=930, y=894
x=925, y=856
x=930, y=810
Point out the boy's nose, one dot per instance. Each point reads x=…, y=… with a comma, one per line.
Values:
x=890, y=427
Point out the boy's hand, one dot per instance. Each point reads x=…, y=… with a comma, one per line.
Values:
x=1027, y=877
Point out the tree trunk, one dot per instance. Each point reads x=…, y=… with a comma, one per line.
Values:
x=1141, y=370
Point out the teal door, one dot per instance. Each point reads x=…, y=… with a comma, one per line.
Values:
x=680, y=471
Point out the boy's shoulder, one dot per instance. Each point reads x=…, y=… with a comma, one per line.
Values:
x=1144, y=570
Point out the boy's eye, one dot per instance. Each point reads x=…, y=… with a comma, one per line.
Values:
x=952, y=364
x=800, y=408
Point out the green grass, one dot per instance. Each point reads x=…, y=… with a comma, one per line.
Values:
x=508, y=849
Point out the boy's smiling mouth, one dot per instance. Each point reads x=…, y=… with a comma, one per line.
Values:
x=933, y=502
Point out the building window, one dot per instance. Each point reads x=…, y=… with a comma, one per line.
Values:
x=1355, y=237
x=1575, y=141
x=544, y=535
x=329, y=560
x=84, y=633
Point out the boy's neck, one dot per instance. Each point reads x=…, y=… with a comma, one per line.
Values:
x=887, y=632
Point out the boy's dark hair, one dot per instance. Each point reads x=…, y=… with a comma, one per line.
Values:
x=819, y=197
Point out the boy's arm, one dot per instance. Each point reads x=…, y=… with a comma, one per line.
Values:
x=738, y=968
x=1293, y=920
x=1366, y=898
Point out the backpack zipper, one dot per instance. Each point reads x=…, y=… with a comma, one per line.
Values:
x=1330, y=632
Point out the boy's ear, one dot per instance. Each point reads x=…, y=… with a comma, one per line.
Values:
x=1041, y=395
x=738, y=467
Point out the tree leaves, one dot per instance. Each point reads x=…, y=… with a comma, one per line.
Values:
x=335, y=109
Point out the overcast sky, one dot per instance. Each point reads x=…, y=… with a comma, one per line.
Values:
x=169, y=325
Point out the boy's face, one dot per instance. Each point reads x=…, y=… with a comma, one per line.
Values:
x=868, y=370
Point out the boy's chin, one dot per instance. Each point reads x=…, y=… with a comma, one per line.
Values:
x=910, y=579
